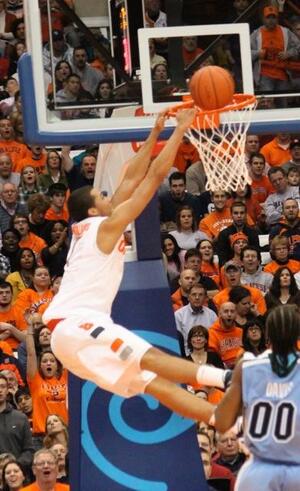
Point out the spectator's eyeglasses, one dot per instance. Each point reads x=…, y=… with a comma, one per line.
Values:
x=50, y=463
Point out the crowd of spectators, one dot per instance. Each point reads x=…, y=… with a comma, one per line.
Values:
x=229, y=259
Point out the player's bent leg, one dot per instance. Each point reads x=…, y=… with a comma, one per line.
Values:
x=179, y=400
x=182, y=371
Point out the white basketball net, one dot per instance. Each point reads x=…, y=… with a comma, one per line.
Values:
x=222, y=148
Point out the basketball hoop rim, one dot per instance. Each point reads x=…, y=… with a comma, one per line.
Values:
x=240, y=101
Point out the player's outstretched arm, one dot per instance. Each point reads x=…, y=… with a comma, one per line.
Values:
x=112, y=228
x=137, y=167
x=230, y=406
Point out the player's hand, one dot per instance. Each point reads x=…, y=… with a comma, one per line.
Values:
x=185, y=118
x=161, y=120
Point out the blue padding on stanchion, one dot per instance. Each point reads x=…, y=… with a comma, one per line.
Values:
x=135, y=444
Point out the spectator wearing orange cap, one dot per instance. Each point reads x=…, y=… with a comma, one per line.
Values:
x=271, y=46
x=237, y=243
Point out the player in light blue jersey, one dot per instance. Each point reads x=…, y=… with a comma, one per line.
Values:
x=267, y=390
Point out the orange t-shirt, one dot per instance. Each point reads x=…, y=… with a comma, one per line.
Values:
x=176, y=298
x=261, y=188
x=53, y=215
x=273, y=266
x=39, y=165
x=210, y=270
x=215, y=222
x=6, y=348
x=273, y=43
x=225, y=342
x=32, y=301
x=58, y=487
x=16, y=150
x=33, y=242
x=256, y=297
x=15, y=317
x=274, y=154
x=48, y=397
x=186, y=155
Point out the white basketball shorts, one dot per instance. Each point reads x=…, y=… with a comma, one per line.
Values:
x=92, y=347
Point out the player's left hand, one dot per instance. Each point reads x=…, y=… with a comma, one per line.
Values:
x=160, y=120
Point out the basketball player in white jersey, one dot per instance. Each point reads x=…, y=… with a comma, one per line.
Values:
x=85, y=339
x=267, y=389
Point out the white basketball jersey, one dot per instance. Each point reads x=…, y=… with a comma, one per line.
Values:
x=91, y=278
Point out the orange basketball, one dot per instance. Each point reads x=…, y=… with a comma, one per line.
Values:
x=212, y=87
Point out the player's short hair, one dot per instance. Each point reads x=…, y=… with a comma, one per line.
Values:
x=79, y=203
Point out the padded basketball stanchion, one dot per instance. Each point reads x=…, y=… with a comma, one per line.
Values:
x=135, y=444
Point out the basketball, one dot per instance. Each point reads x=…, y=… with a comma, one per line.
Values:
x=212, y=87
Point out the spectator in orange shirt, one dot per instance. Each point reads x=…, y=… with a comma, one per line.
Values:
x=17, y=151
x=186, y=155
x=45, y=469
x=190, y=49
x=186, y=280
x=219, y=219
x=279, y=250
x=277, y=151
x=28, y=239
x=47, y=381
x=208, y=267
x=271, y=45
x=58, y=209
x=34, y=299
x=36, y=156
x=233, y=277
x=12, y=322
x=225, y=338
x=261, y=186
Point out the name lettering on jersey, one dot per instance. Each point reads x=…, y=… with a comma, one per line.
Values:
x=78, y=229
x=278, y=390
